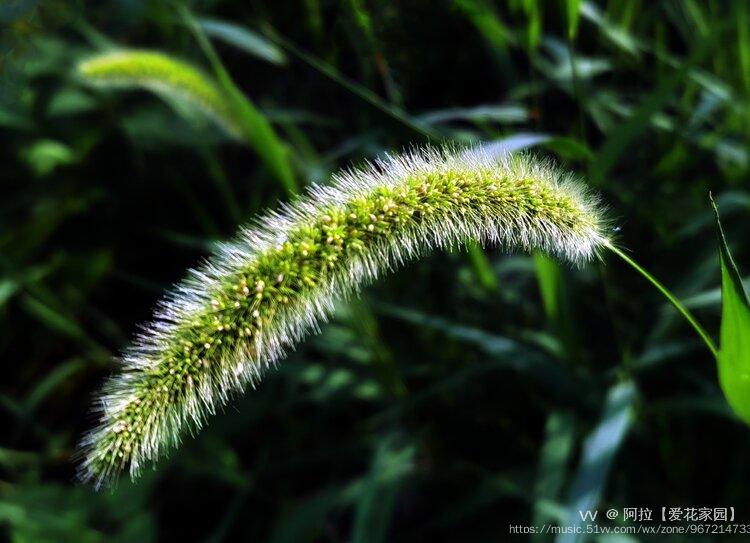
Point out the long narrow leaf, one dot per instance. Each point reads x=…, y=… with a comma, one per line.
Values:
x=243, y=39
x=734, y=348
x=598, y=454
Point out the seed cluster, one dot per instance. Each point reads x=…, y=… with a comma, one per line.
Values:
x=233, y=318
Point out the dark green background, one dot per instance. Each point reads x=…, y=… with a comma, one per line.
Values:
x=438, y=407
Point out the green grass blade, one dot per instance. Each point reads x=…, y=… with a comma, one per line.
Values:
x=303, y=521
x=743, y=44
x=254, y=127
x=533, y=26
x=355, y=88
x=50, y=382
x=551, y=280
x=54, y=318
x=572, y=14
x=620, y=138
x=492, y=113
x=488, y=23
x=366, y=327
x=374, y=509
x=734, y=353
x=598, y=454
x=482, y=267
x=508, y=353
x=554, y=461
x=243, y=39
x=549, y=277
x=617, y=35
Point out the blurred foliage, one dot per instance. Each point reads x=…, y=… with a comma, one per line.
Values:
x=468, y=392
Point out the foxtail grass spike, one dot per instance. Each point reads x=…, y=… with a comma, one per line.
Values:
x=163, y=75
x=235, y=315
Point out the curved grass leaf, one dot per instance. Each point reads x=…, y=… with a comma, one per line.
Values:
x=565, y=147
x=497, y=113
x=243, y=39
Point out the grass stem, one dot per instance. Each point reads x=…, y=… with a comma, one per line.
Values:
x=684, y=311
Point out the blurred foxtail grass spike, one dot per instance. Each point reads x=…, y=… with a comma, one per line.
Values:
x=179, y=81
x=234, y=316
x=165, y=76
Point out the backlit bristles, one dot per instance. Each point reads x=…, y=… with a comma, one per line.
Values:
x=234, y=316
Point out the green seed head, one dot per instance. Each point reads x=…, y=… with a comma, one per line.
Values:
x=162, y=75
x=233, y=317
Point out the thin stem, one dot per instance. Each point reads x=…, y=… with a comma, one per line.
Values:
x=669, y=296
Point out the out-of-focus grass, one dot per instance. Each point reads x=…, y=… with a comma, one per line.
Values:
x=466, y=393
